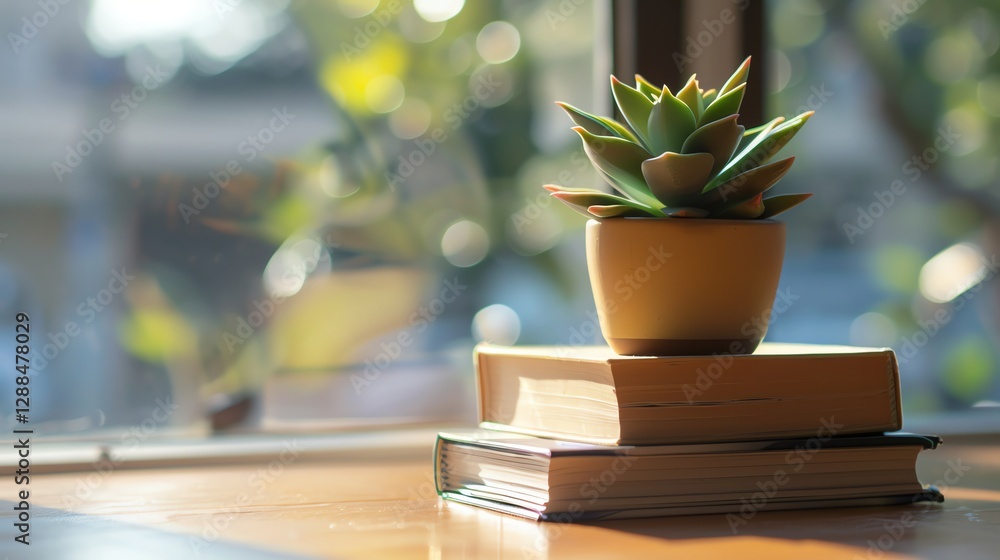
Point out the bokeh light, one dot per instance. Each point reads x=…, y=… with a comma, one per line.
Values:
x=873, y=329
x=498, y=42
x=797, y=23
x=411, y=119
x=952, y=272
x=291, y=264
x=357, y=8
x=465, y=243
x=438, y=10
x=953, y=57
x=496, y=324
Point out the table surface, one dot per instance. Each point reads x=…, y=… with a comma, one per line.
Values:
x=357, y=507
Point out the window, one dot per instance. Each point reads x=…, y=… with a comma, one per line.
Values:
x=279, y=214
x=286, y=210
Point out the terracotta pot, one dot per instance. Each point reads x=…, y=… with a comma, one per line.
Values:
x=672, y=287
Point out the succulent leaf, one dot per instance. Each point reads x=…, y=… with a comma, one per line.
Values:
x=619, y=211
x=760, y=152
x=675, y=178
x=620, y=162
x=718, y=138
x=670, y=123
x=744, y=186
x=745, y=160
x=560, y=188
x=780, y=136
x=644, y=86
x=747, y=210
x=634, y=106
x=738, y=77
x=593, y=197
x=778, y=204
x=709, y=96
x=757, y=129
x=728, y=104
x=601, y=126
x=690, y=94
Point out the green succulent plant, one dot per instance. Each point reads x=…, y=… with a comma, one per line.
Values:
x=682, y=155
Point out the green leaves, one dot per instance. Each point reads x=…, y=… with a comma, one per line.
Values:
x=673, y=178
x=617, y=211
x=765, y=145
x=738, y=77
x=682, y=155
x=585, y=198
x=778, y=204
x=779, y=136
x=670, y=123
x=709, y=95
x=644, y=86
x=594, y=124
x=690, y=94
x=598, y=204
x=634, y=106
x=747, y=210
x=744, y=186
x=620, y=162
x=718, y=138
x=728, y=104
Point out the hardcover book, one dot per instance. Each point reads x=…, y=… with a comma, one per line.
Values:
x=592, y=395
x=553, y=480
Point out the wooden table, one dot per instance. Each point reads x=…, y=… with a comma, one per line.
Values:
x=347, y=506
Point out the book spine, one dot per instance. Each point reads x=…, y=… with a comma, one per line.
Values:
x=479, y=362
x=895, y=397
x=439, y=465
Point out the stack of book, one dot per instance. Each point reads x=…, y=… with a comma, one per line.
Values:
x=575, y=434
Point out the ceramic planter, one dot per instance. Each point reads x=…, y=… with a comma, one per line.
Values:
x=670, y=287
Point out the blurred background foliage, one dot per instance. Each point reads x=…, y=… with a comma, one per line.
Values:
x=423, y=131
x=912, y=102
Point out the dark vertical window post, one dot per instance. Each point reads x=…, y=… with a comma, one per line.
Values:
x=647, y=34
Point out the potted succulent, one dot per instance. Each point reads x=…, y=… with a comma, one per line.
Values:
x=686, y=258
